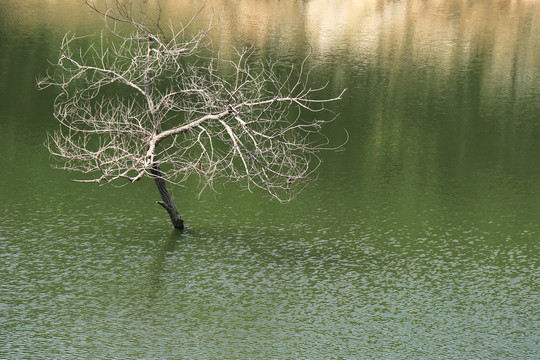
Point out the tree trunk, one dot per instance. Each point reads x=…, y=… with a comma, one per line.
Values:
x=167, y=201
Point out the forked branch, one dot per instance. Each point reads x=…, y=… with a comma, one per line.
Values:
x=135, y=101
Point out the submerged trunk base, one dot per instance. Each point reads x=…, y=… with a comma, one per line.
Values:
x=176, y=220
x=167, y=201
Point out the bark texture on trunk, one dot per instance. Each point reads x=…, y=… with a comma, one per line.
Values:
x=167, y=201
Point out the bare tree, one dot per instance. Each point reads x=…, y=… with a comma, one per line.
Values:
x=162, y=103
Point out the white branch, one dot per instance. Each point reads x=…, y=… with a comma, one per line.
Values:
x=219, y=119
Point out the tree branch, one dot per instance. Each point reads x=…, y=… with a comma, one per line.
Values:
x=219, y=119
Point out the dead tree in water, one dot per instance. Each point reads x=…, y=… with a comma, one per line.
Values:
x=161, y=103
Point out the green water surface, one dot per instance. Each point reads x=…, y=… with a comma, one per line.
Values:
x=419, y=241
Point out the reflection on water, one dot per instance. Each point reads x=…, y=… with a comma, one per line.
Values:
x=419, y=241
x=504, y=36
x=437, y=32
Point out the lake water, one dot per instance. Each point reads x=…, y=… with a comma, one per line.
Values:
x=419, y=241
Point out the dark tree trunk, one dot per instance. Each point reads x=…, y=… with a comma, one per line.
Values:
x=167, y=201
